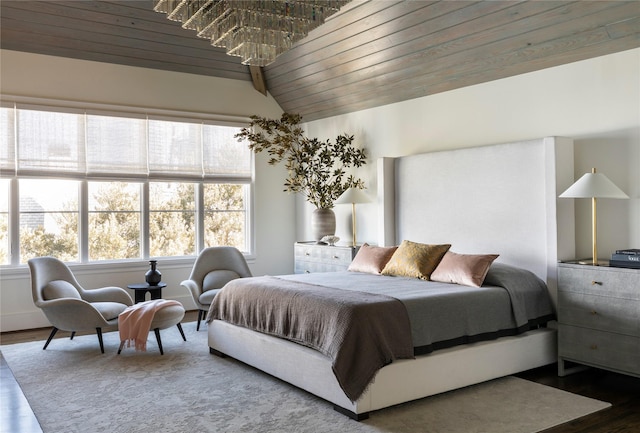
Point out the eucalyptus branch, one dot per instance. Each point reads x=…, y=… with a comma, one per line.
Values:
x=317, y=169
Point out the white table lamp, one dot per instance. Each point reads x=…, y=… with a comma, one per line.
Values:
x=353, y=196
x=594, y=185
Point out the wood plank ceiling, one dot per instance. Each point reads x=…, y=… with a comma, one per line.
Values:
x=371, y=53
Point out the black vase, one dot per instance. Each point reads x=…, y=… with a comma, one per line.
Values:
x=153, y=276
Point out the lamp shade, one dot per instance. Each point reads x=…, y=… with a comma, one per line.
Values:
x=353, y=195
x=593, y=185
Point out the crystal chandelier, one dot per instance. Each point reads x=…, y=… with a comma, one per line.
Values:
x=256, y=30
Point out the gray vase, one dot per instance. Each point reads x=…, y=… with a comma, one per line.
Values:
x=323, y=223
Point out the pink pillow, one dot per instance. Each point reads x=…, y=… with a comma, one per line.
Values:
x=371, y=259
x=463, y=269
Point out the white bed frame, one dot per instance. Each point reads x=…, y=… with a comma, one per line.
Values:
x=398, y=382
x=541, y=165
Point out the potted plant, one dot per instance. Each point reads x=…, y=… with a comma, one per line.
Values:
x=315, y=168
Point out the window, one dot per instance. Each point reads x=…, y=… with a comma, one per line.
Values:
x=225, y=215
x=94, y=185
x=49, y=218
x=4, y=221
x=115, y=220
x=172, y=219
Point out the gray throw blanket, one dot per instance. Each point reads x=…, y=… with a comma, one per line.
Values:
x=360, y=332
x=524, y=289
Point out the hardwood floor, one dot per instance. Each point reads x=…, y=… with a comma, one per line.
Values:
x=623, y=392
x=16, y=415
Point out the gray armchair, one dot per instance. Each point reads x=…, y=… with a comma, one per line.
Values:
x=70, y=307
x=214, y=267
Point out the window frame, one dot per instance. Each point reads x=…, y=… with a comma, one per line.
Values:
x=134, y=112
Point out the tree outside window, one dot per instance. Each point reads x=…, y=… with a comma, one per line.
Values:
x=225, y=216
x=115, y=214
x=49, y=216
x=172, y=212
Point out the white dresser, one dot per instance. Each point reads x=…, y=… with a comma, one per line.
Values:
x=599, y=317
x=311, y=257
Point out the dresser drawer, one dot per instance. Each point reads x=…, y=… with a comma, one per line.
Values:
x=611, y=282
x=599, y=312
x=600, y=348
x=306, y=252
x=323, y=254
x=304, y=267
x=310, y=257
x=333, y=255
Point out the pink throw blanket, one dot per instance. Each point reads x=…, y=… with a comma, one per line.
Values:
x=135, y=321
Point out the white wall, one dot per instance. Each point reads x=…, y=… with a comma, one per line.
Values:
x=596, y=102
x=30, y=75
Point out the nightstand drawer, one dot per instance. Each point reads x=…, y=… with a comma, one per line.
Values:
x=599, y=348
x=599, y=312
x=599, y=317
x=606, y=281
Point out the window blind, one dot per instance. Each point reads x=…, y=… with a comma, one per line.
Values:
x=78, y=143
x=175, y=149
x=7, y=141
x=116, y=146
x=223, y=154
x=50, y=142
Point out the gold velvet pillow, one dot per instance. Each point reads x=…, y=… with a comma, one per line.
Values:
x=416, y=260
x=463, y=269
x=371, y=259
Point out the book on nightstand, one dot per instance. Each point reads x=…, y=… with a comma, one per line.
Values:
x=629, y=258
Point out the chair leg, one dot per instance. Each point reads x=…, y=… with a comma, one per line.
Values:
x=157, y=332
x=181, y=331
x=53, y=332
x=121, y=346
x=99, y=332
x=73, y=334
x=200, y=314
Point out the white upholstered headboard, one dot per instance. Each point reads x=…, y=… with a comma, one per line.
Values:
x=498, y=199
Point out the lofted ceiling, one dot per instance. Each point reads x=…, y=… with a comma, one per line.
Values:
x=371, y=53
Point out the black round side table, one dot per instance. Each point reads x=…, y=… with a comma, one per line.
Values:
x=142, y=289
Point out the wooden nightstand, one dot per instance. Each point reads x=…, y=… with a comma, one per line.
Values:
x=311, y=257
x=599, y=317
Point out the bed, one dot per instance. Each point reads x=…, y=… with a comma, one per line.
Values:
x=439, y=361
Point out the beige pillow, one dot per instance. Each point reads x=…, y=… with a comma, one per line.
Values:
x=464, y=269
x=371, y=259
x=416, y=260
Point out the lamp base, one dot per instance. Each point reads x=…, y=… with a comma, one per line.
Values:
x=599, y=262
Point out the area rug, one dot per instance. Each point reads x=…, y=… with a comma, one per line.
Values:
x=72, y=387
